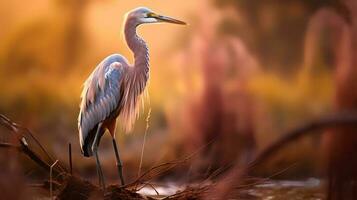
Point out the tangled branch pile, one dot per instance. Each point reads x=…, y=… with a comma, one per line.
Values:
x=66, y=186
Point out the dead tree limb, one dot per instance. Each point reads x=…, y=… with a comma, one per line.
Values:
x=313, y=127
x=9, y=145
x=14, y=127
x=235, y=175
x=23, y=146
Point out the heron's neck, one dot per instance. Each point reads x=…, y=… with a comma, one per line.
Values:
x=138, y=47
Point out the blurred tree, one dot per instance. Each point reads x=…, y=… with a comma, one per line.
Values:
x=73, y=37
x=221, y=115
x=50, y=44
x=342, y=165
x=36, y=62
x=274, y=30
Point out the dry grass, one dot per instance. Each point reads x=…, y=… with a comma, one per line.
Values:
x=66, y=186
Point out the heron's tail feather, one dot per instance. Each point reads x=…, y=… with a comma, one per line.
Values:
x=86, y=147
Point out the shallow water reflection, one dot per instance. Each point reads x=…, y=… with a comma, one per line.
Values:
x=309, y=189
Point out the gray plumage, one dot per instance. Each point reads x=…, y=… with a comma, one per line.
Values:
x=101, y=96
x=114, y=89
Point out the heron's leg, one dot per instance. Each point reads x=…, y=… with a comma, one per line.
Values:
x=118, y=163
x=95, y=151
x=99, y=171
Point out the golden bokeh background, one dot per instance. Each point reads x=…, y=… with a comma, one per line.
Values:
x=239, y=75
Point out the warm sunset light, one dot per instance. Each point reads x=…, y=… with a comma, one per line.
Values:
x=207, y=99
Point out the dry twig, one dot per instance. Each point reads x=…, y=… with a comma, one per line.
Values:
x=23, y=147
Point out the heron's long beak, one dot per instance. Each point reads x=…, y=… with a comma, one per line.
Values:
x=167, y=19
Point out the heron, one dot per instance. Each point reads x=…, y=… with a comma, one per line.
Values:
x=114, y=88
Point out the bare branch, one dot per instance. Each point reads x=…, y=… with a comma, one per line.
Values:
x=234, y=176
x=70, y=158
x=8, y=145
x=332, y=121
x=24, y=147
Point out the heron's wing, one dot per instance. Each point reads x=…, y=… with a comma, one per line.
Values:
x=100, y=97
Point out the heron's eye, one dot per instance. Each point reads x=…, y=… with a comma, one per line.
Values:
x=151, y=15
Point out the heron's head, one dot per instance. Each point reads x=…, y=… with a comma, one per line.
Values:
x=144, y=15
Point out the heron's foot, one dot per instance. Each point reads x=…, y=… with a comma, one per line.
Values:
x=101, y=182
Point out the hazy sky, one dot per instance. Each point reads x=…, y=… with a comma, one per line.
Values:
x=105, y=23
x=103, y=19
